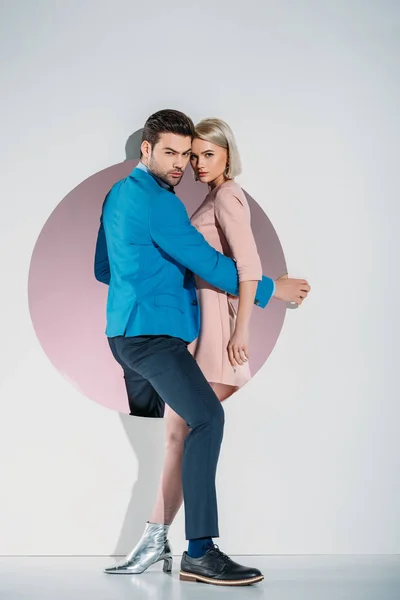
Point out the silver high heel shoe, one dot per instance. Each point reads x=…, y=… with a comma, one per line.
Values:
x=152, y=547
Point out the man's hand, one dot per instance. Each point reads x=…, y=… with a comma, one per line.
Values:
x=291, y=290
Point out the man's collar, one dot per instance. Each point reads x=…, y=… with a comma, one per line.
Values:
x=160, y=182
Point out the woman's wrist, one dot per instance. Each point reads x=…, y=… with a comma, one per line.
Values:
x=241, y=325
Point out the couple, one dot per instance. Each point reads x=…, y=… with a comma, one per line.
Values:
x=153, y=258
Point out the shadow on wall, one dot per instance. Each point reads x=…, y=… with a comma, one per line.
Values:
x=132, y=146
x=147, y=439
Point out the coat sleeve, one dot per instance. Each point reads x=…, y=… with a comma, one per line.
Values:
x=233, y=216
x=101, y=260
x=171, y=230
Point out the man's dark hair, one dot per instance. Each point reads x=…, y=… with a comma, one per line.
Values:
x=167, y=121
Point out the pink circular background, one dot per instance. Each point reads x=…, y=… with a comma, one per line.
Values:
x=67, y=304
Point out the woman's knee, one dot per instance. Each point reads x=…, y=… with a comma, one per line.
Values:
x=176, y=433
x=175, y=440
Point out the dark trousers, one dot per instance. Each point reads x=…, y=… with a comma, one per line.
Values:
x=158, y=370
x=143, y=399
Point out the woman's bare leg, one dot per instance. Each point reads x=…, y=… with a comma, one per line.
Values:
x=170, y=495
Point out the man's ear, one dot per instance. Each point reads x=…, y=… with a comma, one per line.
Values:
x=145, y=148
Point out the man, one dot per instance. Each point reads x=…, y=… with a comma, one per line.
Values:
x=147, y=251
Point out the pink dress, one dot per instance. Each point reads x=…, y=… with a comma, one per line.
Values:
x=224, y=220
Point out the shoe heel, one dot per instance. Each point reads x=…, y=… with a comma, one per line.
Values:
x=167, y=568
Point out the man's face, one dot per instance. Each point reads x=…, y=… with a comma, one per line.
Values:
x=168, y=158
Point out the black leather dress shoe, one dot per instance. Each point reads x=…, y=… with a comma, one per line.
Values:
x=217, y=568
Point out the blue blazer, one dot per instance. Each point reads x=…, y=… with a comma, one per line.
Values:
x=147, y=251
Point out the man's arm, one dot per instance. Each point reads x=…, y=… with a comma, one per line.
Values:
x=172, y=231
x=101, y=261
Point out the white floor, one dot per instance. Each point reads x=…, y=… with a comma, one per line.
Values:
x=286, y=578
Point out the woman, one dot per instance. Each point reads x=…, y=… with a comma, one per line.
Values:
x=222, y=348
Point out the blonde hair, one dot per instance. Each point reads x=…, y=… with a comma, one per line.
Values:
x=218, y=132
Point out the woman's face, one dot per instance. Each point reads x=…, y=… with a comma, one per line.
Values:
x=208, y=160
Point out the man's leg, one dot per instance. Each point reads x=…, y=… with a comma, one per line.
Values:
x=174, y=374
x=143, y=400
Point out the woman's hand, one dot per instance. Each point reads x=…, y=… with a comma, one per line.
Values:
x=292, y=290
x=238, y=347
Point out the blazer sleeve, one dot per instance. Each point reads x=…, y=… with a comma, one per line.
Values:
x=233, y=216
x=101, y=260
x=171, y=229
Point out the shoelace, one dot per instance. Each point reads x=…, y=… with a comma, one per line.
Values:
x=215, y=550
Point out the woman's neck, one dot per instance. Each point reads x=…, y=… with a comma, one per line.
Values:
x=218, y=181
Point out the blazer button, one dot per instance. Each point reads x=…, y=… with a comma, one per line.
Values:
x=257, y=302
x=194, y=302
